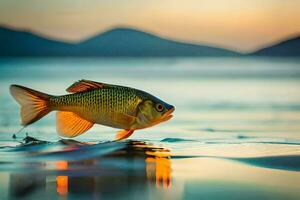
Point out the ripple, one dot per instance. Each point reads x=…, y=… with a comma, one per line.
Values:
x=178, y=140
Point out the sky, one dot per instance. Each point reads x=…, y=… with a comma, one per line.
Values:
x=243, y=25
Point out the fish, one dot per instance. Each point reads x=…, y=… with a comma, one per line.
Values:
x=89, y=103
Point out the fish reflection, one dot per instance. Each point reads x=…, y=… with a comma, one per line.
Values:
x=132, y=170
x=158, y=166
x=62, y=181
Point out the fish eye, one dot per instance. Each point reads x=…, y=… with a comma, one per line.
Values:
x=159, y=107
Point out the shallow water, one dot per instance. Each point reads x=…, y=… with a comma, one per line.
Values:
x=235, y=132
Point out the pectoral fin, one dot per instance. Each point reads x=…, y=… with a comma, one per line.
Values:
x=123, y=134
x=69, y=124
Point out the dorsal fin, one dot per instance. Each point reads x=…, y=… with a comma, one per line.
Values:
x=85, y=85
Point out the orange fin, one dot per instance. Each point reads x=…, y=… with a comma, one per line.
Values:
x=69, y=124
x=123, y=134
x=85, y=85
x=34, y=104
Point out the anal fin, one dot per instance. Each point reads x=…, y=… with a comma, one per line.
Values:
x=69, y=124
x=123, y=134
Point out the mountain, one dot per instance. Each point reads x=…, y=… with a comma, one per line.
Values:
x=130, y=42
x=119, y=42
x=21, y=43
x=287, y=48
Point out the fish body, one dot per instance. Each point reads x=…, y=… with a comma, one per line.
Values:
x=93, y=103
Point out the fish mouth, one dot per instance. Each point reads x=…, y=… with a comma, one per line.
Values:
x=166, y=116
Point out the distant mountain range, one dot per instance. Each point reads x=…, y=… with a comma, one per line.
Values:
x=122, y=42
x=287, y=48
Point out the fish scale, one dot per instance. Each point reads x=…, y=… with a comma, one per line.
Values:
x=103, y=104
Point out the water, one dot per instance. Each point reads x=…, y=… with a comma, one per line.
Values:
x=235, y=132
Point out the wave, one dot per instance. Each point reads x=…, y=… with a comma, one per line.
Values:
x=286, y=162
x=32, y=150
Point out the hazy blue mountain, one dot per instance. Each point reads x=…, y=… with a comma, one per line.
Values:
x=130, y=42
x=21, y=43
x=290, y=47
x=115, y=42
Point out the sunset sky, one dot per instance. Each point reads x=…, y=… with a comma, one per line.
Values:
x=238, y=24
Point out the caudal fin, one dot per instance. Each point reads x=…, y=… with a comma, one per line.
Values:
x=34, y=104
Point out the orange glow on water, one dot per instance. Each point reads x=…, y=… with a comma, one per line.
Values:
x=62, y=185
x=160, y=168
x=62, y=181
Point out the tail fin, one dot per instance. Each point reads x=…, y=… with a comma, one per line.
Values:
x=34, y=104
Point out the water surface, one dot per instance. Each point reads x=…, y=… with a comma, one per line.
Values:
x=235, y=132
